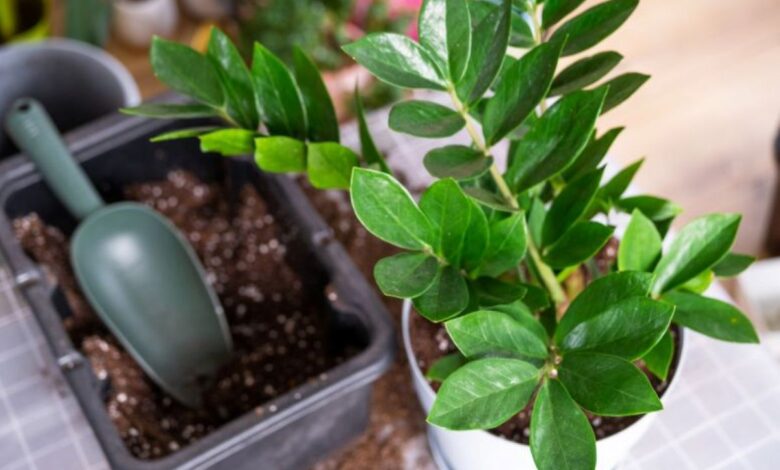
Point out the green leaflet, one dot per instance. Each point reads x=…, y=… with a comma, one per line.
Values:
x=445, y=298
x=561, y=435
x=228, y=142
x=570, y=205
x=321, y=122
x=329, y=165
x=397, y=60
x=607, y=385
x=698, y=246
x=584, y=72
x=711, y=317
x=640, y=247
x=524, y=84
x=425, y=119
x=581, y=242
x=592, y=26
x=186, y=71
x=406, y=275
x=456, y=161
x=484, y=393
x=388, y=211
x=555, y=140
x=277, y=95
x=488, y=332
x=235, y=79
x=660, y=357
x=280, y=154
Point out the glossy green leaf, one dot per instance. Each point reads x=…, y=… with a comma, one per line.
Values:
x=699, y=283
x=569, y=206
x=171, y=111
x=406, y=275
x=628, y=328
x=277, y=95
x=621, y=88
x=616, y=186
x=607, y=385
x=524, y=85
x=321, y=122
x=660, y=211
x=445, y=366
x=490, y=36
x=521, y=313
x=584, y=72
x=521, y=32
x=456, y=161
x=460, y=227
x=236, y=81
x=425, y=119
x=733, y=264
x=536, y=215
x=535, y=297
x=581, y=242
x=592, y=26
x=600, y=295
x=640, y=247
x=186, y=71
x=488, y=332
x=488, y=199
x=698, y=246
x=555, y=10
x=329, y=165
x=280, y=154
x=593, y=154
x=228, y=142
x=445, y=30
x=506, y=246
x=659, y=359
x=712, y=317
x=491, y=291
x=397, y=60
x=387, y=210
x=182, y=133
x=368, y=148
x=555, y=139
x=561, y=435
x=447, y=296
x=484, y=393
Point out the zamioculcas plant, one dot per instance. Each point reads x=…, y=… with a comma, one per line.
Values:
x=494, y=251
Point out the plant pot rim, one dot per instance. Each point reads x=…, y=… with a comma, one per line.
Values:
x=131, y=93
x=418, y=375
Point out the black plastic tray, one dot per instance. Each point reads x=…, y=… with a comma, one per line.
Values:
x=309, y=421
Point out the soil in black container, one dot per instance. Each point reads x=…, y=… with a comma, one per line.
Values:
x=280, y=330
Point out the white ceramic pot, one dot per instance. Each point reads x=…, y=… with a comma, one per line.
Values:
x=206, y=9
x=480, y=450
x=137, y=21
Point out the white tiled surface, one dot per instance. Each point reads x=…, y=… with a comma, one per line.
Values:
x=723, y=414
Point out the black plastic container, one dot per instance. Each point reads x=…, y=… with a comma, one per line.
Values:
x=309, y=421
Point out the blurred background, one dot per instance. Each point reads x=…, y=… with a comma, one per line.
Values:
x=709, y=113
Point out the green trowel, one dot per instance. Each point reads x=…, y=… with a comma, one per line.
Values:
x=135, y=268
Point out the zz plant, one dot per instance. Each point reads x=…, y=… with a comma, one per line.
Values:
x=499, y=254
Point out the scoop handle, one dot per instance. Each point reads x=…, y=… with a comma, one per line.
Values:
x=31, y=128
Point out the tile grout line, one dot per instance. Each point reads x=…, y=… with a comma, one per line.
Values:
x=43, y=363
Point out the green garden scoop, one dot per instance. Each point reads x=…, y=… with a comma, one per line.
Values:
x=135, y=268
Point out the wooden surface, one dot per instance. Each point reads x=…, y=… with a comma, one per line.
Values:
x=706, y=119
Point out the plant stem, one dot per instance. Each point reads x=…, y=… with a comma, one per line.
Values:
x=545, y=272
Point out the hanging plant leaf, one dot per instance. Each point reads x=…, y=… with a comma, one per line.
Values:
x=425, y=119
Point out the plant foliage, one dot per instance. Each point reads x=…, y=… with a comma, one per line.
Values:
x=494, y=252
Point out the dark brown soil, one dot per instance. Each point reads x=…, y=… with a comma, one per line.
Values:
x=430, y=342
x=280, y=332
x=395, y=438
